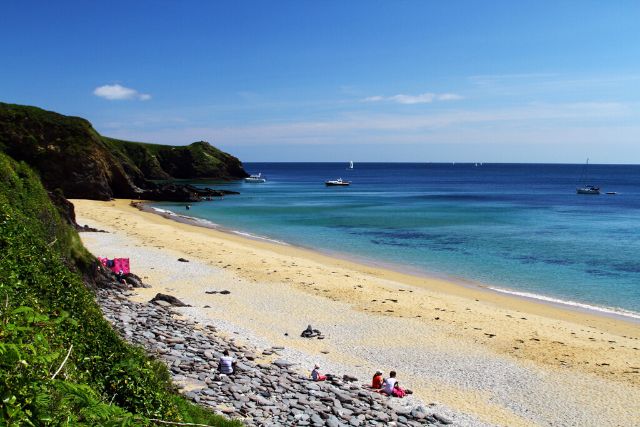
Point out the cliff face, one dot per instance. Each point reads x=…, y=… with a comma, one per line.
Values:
x=197, y=160
x=69, y=154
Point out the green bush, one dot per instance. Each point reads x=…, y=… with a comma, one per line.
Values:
x=47, y=314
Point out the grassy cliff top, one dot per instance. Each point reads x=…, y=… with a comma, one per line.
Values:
x=69, y=154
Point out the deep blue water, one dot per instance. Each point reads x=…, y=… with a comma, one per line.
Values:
x=513, y=226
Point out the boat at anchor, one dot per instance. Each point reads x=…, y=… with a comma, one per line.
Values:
x=256, y=178
x=337, y=183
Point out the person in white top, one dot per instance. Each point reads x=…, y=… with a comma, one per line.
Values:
x=226, y=363
x=387, y=385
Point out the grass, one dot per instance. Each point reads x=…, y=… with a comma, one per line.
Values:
x=47, y=313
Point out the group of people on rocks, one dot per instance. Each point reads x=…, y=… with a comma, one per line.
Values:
x=389, y=386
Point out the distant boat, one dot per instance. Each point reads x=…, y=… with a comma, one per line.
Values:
x=587, y=189
x=350, y=165
x=337, y=183
x=256, y=178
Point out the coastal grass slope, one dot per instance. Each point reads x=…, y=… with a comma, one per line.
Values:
x=68, y=153
x=61, y=363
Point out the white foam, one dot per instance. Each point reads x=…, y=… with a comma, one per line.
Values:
x=187, y=217
x=607, y=310
x=163, y=211
x=257, y=237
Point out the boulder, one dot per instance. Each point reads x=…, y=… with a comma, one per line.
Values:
x=170, y=299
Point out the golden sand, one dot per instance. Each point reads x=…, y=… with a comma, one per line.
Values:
x=555, y=341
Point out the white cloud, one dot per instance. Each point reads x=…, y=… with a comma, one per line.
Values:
x=423, y=98
x=117, y=92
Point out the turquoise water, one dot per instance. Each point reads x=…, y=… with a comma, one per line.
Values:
x=516, y=227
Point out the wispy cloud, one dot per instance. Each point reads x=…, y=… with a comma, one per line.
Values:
x=117, y=92
x=532, y=123
x=423, y=98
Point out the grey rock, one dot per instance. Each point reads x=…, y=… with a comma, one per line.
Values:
x=441, y=419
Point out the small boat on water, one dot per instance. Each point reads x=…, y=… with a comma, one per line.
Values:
x=255, y=178
x=337, y=183
x=587, y=189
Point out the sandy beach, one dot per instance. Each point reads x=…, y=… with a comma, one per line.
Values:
x=494, y=359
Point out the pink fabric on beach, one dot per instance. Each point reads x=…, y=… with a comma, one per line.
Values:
x=118, y=264
x=121, y=264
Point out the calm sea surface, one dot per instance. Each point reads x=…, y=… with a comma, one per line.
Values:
x=517, y=227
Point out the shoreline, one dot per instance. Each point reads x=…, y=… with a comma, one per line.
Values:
x=500, y=359
x=614, y=313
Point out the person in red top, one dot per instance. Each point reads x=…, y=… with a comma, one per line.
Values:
x=377, y=380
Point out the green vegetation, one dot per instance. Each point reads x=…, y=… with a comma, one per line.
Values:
x=61, y=363
x=69, y=154
x=197, y=160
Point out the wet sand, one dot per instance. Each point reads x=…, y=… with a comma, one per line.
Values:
x=500, y=359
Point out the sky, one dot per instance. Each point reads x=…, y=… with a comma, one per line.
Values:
x=368, y=81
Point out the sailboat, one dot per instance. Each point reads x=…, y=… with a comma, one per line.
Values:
x=587, y=189
x=350, y=165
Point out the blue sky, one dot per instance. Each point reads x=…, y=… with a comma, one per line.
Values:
x=304, y=80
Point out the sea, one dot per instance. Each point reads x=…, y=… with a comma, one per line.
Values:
x=513, y=228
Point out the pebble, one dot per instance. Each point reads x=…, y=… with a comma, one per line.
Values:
x=257, y=394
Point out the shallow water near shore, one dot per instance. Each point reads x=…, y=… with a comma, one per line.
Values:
x=516, y=227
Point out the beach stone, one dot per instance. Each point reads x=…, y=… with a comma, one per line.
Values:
x=170, y=299
x=441, y=419
x=183, y=260
x=281, y=363
x=258, y=393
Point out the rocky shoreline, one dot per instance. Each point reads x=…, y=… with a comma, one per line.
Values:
x=263, y=391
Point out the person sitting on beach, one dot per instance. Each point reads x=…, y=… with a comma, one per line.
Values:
x=315, y=374
x=227, y=364
x=387, y=386
x=120, y=277
x=377, y=380
x=397, y=390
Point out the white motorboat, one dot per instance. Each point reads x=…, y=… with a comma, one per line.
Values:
x=255, y=179
x=337, y=183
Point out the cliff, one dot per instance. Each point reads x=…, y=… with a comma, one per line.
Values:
x=70, y=155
